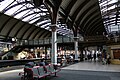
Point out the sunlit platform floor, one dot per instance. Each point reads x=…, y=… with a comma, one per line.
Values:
x=78, y=71
x=93, y=66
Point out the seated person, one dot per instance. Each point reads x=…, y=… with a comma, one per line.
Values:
x=42, y=63
x=29, y=65
x=46, y=63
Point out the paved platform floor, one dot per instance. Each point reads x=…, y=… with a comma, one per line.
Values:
x=78, y=71
x=93, y=66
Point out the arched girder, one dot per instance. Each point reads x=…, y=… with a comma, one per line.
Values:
x=97, y=21
x=25, y=32
x=98, y=29
x=69, y=24
x=85, y=13
x=31, y=32
x=28, y=32
x=88, y=19
x=1, y=14
x=43, y=36
x=68, y=8
x=94, y=25
x=8, y=26
x=54, y=7
x=22, y=30
x=39, y=37
x=92, y=22
x=62, y=11
x=3, y=20
x=19, y=29
x=75, y=31
x=48, y=35
x=90, y=33
x=8, y=34
x=49, y=3
x=1, y=28
x=39, y=33
x=28, y=9
x=62, y=14
x=34, y=33
x=8, y=8
x=78, y=10
x=53, y=3
x=91, y=26
x=48, y=8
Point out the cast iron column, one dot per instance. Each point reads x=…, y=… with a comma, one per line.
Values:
x=54, y=44
x=76, y=49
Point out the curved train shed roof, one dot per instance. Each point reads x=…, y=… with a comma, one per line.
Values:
x=23, y=20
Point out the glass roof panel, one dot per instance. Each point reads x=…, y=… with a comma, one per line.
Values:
x=47, y=28
x=26, y=12
x=114, y=28
x=32, y=21
x=109, y=13
x=13, y=10
x=118, y=21
x=29, y=14
x=36, y=10
x=43, y=22
x=4, y=4
x=20, y=15
x=44, y=9
x=28, y=18
x=45, y=25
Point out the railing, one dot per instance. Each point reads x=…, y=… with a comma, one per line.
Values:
x=44, y=41
x=5, y=63
x=95, y=38
x=60, y=40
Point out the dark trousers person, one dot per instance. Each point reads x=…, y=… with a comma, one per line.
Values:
x=94, y=56
x=108, y=60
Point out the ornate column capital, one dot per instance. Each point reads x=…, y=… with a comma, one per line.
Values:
x=76, y=38
x=53, y=27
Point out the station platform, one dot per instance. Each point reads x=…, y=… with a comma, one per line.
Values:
x=78, y=71
x=93, y=66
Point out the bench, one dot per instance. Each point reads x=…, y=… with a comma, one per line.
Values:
x=38, y=72
x=52, y=69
